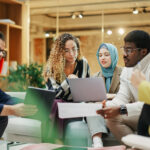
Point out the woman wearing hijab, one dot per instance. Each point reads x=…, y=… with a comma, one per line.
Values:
x=107, y=56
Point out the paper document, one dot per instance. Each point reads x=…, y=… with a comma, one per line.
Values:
x=75, y=110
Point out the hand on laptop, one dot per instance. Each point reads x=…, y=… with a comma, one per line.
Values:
x=71, y=76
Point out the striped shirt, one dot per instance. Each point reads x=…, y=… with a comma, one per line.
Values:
x=62, y=90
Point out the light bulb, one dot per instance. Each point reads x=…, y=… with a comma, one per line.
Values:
x=109, y=32
x=80, y=16
x=135, y=11
x=121, y=31
x=73, y=16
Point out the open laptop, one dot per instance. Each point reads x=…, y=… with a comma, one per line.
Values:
x=87, y=89
x=43, y=99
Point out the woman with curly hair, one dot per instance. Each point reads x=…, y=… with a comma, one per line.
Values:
x=65, y=62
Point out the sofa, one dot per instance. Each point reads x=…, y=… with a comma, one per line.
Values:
x=22, y=129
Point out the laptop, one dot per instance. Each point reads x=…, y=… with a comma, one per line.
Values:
x=43, y=99
x=87, y=89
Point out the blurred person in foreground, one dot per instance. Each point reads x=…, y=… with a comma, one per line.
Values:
x=9, y=105
x=2, y=51
x=138, y=80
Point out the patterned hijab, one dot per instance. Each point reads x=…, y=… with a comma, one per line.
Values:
x=108, y=72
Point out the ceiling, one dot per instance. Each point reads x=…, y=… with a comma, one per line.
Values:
x=52, y=15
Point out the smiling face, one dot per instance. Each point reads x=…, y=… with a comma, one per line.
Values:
x=71, y=51
x=104, y=57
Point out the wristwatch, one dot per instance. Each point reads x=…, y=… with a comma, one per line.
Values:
x=123, y=110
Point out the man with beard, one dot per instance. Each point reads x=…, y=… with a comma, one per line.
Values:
x=122, y=113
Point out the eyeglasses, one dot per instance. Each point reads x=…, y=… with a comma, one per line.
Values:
x=4, y=53
x=74, y=50
x=129, y=50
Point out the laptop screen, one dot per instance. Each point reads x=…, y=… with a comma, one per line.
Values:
x=43, y=99
x=87, y=89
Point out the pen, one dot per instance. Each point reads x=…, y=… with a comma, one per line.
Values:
x=103, y=103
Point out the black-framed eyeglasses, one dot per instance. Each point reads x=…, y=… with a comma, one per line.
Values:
x=128, y=50
x=4, y=53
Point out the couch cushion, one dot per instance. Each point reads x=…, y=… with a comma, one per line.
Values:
x=22, y=138
x=20, y=95
x=24, y=126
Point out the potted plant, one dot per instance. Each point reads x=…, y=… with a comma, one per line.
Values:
x=24, y=76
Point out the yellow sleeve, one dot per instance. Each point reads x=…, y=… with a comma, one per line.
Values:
x=144, y=92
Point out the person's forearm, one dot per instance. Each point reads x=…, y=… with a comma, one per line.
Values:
x=7, y=110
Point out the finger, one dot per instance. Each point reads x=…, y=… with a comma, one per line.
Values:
x=107, y=109
x=30, y=110
x=104, y=110
x=30, y=106
x=103, y=103
x=28, y=113
x=100, y=112
x=106, y=116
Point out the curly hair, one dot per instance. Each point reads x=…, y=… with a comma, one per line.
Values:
x=56, y=61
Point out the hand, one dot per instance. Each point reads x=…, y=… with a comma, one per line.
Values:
x=23, y=110
x=109, y=112
x=136, y=78
x=103, y=103
x=19, y=110
x=71, y=76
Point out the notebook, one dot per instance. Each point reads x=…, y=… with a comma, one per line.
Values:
x=87, y=89
x=43, y=99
